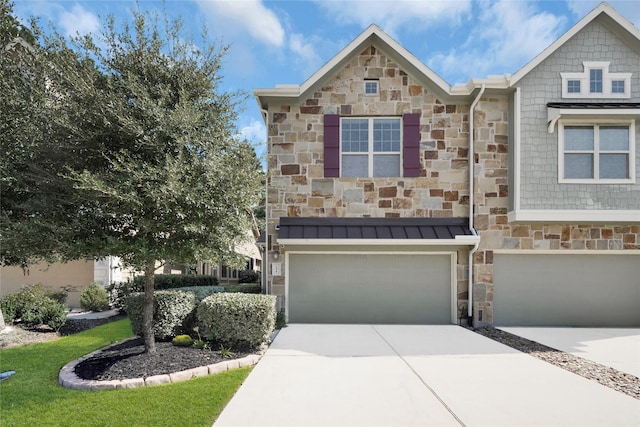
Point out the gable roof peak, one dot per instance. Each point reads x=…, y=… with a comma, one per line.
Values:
x=373, y=35
x=618, y=23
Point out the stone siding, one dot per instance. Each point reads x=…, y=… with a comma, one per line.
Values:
x=297, y=186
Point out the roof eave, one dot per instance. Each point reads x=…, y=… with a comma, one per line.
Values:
x=458, y=241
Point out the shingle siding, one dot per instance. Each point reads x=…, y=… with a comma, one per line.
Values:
x=539, y=149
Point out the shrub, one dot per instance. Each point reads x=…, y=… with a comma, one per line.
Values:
x=248, y=276
x=182, y=341
x=201, y=292
x=233, y=319
x=246, y=288
x=33, y=306
x=94, y=298
x=10, y=307
x=119, y=291
x=173, y=281
x=280, y=320
x=172, y=312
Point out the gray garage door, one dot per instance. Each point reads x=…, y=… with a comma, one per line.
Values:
x=566, y=290
x=335, y=288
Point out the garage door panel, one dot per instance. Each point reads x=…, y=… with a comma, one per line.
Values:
x=335, y=288
x=566, y=290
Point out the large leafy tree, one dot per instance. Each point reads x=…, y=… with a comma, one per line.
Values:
x=140, y=156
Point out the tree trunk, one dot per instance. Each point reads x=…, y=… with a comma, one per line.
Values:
x=2, y=325
x=147, y=312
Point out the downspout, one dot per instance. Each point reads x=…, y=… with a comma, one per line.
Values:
x=471, y=202
x=265, y=266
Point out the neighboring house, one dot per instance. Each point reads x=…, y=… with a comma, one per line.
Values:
x=225, y=274
x=386, y=184
x=72, y=276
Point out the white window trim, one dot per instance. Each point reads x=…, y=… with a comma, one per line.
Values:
x=607, y=79
x=370, y=153
x=595, y=179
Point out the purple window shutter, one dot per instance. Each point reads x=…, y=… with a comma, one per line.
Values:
x=411, y=145
x=331, y=145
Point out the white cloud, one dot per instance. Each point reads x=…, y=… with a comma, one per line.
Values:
x=392, y=15
x=255, y=132
x=241, y=16
x=627, y=8
x=78, y=20
x=506, y=35
x=306, y=53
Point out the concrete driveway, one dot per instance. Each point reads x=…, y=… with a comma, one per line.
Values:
x=618, y=348
x=379, y=375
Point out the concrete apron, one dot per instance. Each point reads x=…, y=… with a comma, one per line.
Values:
x=388, y=375
x=618, y=348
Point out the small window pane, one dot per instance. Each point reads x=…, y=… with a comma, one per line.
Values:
x=355, y=165
x=386, y=135
x=386, y=165
x=578, y=138
x=578, y=166
x=617, y=86
x=573, y=86
x=371, y=87
x=595, y=80
x=614, y=138
x=355, y=135
x=614, y=166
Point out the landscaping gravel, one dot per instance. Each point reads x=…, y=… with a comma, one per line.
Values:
x=605, y=375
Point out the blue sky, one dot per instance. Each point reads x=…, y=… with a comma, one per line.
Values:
x=284, y=42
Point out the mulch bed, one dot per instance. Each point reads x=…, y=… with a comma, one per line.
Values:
x=129, y=360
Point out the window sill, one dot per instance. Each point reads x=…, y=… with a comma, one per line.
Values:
x=574, y=216
x=597, y=181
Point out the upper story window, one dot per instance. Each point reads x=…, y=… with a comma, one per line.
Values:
x=617, y=86
x=371, y=147
x=371, y=87
x=573, y=86
x=596, y=82
x=600, y=153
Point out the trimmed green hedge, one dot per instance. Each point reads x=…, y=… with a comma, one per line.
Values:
x=245, y=288
x=201, y=292
x=236, y=318
x=172, y=312
x=173, y=281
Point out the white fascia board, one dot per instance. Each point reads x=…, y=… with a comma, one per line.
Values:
x=555, y=114
x=371, y=35
x=491, y=82
x=458, y=241
x=573, y=216
x=601, y=8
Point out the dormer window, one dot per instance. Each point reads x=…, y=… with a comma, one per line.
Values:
x=617, y=86
x=596, y=82
x=573, y=86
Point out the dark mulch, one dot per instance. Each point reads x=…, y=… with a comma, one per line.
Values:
x=128, y=359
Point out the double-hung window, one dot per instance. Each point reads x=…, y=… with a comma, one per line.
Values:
x=597, y=153
x=371, y=147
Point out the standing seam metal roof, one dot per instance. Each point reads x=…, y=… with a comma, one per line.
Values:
x=373, y=228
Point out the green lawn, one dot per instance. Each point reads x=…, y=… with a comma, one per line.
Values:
x=32, y=397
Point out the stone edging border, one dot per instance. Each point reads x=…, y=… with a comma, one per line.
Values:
x=68, y=378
